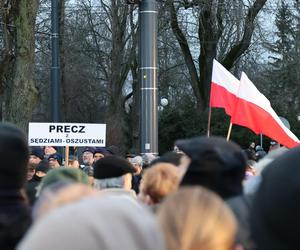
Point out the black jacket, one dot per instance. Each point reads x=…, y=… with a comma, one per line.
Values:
x=15, y=218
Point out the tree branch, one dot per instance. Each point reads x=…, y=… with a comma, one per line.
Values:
x=241, y=46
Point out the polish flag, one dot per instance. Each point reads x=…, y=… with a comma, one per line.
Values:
x=253, y=110
x=224, y=88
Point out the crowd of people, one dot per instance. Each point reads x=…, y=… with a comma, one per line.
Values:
x=207, y=194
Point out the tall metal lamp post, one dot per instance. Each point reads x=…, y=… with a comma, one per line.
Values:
x=55, y=69
x=148, y=77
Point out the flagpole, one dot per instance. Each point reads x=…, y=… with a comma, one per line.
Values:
x=229, y=131
x=67, y=156
x=208, y=122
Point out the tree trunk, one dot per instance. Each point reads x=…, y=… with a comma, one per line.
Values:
x=23, y=94
x=120, y=66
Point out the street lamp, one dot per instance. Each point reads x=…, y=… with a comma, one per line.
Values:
x=163, y=103
x=148, y=75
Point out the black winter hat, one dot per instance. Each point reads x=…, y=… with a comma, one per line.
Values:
x=43, y=166
x=216, y=164
x=113, y=150
x=89, y=149
x=38, y=152
x=112, y=166
x=14, y=155
x=169, y=157
x=57, y=157
x=275, y=222
x=101, y=151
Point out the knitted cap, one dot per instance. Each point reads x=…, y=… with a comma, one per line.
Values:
x=57, y=157
x=38, y=152
x=64, y=174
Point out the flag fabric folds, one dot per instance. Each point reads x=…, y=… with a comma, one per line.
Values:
x=224, y=88
x=253, y=110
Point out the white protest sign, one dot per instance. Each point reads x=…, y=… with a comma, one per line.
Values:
x=66, y=134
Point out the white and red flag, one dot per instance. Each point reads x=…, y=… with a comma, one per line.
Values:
x=253, y=110
x=224, y=88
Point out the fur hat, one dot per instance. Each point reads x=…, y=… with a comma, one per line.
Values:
x=13, y=157
x=112, y=166
x=216, y=164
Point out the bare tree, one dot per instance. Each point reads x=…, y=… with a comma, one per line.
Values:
x=210, y=28
x=20, y=92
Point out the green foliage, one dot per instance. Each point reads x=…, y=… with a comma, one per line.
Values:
x=177, y=122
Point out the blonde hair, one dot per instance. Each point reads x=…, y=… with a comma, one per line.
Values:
x=159, y=181
x=197, y=219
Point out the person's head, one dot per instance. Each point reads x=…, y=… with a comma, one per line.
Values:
x=275, y=219
x=88, y=156
x=273, y=145
x=100, y=153
x=260, y=153
x=169, y=157
x=42, y=168
x=73, y=162
x=113, y=150
x=252, y=145
x=137, y=163
x=250, y=169
x=147, y=159
x=36, y=155
x=89, y=170
x=49, y=150
x=98, y=220
x=55, y=160
x=196, y=218
x=250, y=154
x=13, y=157
x=63, y=174
x=158, y=182
x=30, y=171
x=215, y=163
x=130, y=156
x=113, y=169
